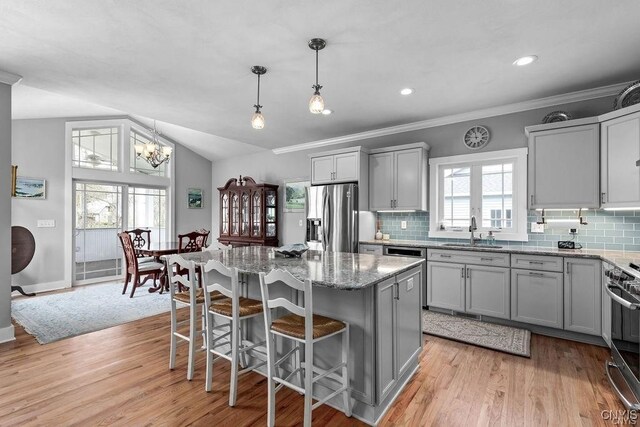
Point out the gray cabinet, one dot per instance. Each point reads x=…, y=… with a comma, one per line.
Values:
x=537, y=297
x=398, y=339
x=337, y=166
x=321, y=170
x=487, y=291
x=564, y=153
x=583, y=295
x=620, y=149
x=446, y=285
x=398, y=178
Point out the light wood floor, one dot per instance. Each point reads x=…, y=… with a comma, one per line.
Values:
x=120, y=376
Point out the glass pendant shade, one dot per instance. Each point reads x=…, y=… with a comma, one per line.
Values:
x=316, y=104
x=257, y=120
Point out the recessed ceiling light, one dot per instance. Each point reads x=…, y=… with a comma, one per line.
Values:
x=327, y=111
x=406, y=91
x=525, y=60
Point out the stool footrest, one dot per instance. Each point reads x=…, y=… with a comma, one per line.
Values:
x=331, y=396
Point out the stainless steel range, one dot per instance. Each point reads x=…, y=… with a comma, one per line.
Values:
x=623, y=370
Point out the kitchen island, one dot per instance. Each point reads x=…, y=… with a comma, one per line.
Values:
x=378, y=295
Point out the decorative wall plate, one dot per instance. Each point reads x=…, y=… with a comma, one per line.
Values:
x=557, y=116
x=476, y=137
x=630, y=95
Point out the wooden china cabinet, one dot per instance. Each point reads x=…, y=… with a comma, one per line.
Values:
x=248, y=213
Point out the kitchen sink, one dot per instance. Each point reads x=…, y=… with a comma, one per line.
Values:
x=469, y=245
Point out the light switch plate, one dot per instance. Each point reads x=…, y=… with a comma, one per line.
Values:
x=403, y=225
x=46, y=223
x=537, y=228
x=300, y=223
x=409, y=284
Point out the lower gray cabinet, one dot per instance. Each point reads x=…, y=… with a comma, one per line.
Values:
x=398, y=337
x=582, y=295
x=487, y=291
x=536, y=297
x=446, y=285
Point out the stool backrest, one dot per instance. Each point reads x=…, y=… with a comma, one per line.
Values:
x=283, y=276
x=186, y=279
x=230, y=291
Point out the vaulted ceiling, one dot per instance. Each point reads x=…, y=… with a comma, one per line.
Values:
x=188, y=63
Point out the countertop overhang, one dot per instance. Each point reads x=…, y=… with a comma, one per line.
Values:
x=338, y=270
x=619, y=259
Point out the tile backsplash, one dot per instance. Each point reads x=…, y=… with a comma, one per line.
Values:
x=612, y=230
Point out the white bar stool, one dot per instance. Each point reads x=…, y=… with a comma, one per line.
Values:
x=235, y=309
x=191, y=298
x=303, y=327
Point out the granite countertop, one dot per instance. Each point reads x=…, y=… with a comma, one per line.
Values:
x=620, y=259
x=339, y=270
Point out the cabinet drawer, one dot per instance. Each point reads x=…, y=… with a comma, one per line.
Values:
x=537, y=262
x=469, y=257
x=371, y=249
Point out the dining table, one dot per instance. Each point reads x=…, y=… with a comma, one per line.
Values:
x=158, y=250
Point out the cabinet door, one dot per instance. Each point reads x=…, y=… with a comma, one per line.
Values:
x=445, y=285
x=346, y=167
x=386, y=334
x=582, y=295
x=409, y=318
x=488, y=290
x=620, y=140
x=570, y=156
x=536, y=297
x=321, y=170
x=408, y=185
x=370, y=249
x=380, y=181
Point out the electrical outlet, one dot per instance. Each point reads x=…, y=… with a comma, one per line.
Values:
x=537, y=228
x=403, y=225
x=300, y=223
x=46, y=223
x=409, y=284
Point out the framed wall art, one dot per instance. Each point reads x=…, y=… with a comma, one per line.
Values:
x=194, y=198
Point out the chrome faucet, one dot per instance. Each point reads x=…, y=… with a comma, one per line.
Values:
x=473, y=227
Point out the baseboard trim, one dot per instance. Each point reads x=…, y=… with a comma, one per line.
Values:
x=41, y=287
x=7, y=334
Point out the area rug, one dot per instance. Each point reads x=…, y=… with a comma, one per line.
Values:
x=496, y=337
x=87, y=309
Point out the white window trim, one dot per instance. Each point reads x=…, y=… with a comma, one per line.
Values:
x=519, y=196
x=122, y=176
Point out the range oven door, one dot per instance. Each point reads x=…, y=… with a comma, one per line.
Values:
x=625, y=344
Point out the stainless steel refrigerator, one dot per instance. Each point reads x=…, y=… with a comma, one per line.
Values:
x=332, y=217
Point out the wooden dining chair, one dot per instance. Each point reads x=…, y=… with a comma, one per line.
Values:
x=141, y=239
x=134, y=270
x=305, y=329
x=205, y=236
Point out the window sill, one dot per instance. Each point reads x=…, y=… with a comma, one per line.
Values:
x=462, y=235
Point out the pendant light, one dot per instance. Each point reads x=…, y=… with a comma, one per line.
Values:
x=316, y=103
x=257, y=120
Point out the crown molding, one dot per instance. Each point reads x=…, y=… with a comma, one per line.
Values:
x=550, y=101
x=9, y=78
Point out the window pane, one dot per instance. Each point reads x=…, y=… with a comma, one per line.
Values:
x=139, y=164
x=457, y=197
x=95, y=148
x=147, y=209
x=497, y=190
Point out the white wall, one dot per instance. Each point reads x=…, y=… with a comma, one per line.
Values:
x=6, y=329
x=38, y=150
x=507, y=131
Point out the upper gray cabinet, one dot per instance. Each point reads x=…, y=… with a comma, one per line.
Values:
x=564, y=162
x=398, y=177
x=620, y=176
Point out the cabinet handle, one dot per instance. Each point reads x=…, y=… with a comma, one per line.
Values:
x=568, y=268
x=531, y=273
x=468, y=273
x=603, y=197
x=396, y=291
x=462, y=272
x=486, y=259
x=536, y=262
x=532, y=200
x=445, y=256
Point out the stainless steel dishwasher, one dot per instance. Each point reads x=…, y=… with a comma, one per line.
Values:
x=411, y=253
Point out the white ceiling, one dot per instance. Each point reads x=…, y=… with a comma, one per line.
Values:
x=188, y=63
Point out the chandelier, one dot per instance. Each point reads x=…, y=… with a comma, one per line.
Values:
x=153, y=152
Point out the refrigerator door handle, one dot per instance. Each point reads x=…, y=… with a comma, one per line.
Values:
x=326, y=211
